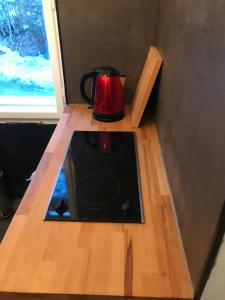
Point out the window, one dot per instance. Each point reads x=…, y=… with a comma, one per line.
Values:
x=31, y=77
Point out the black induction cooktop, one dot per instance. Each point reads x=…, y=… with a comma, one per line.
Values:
x=98, y=181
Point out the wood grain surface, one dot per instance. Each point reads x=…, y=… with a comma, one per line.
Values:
x=145, y=85
x=138, y=260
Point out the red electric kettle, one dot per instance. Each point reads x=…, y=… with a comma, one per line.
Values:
x=106, y=95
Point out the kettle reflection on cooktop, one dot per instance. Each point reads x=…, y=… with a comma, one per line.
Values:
x=98, y=181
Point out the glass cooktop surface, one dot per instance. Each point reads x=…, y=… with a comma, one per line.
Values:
x=98, y=181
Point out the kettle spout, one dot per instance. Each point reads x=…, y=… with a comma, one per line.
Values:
x=123, y=79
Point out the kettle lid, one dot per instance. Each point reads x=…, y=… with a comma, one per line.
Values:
x=107, y=71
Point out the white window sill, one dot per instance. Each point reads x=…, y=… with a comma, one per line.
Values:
x=28, y=107
x=28, y=104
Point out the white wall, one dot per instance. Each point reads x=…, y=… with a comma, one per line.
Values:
x=215, y=287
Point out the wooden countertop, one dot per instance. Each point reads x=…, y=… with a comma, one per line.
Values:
x=142, y=260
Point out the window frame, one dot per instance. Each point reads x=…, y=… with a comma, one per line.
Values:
x=52, y=32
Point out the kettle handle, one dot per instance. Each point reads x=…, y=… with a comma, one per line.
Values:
x=92, y=75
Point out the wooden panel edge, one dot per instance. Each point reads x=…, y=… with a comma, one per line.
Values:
x=31, y=296
x=137, y=113
x=172, y=205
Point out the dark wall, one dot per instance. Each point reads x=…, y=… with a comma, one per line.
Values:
x=190, y=117
x=105, y=32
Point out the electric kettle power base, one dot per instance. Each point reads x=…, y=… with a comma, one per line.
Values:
x=108, y=118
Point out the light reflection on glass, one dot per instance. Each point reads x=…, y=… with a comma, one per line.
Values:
x=60, y=190
x=53, y=213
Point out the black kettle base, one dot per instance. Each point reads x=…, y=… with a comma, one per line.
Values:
x=109, y=117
